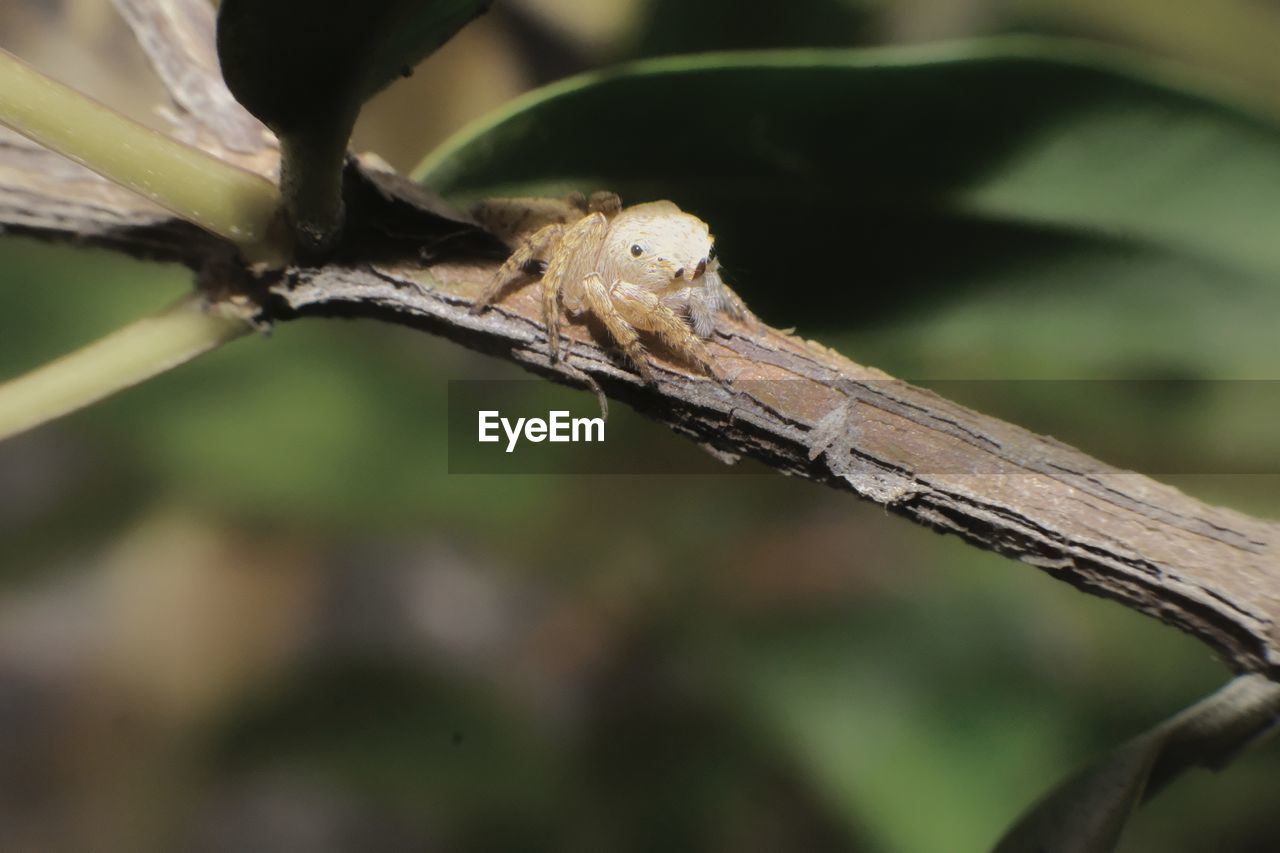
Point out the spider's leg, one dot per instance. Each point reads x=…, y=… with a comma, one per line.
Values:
x=574, y=257
x=645, y=310
x=605, y=202
x=517, y=266
x=601, y=201
x=602, y=304
x=736, y=308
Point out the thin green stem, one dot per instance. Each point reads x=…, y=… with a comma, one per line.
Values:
x=311, y=183
x=218, y=196
x=122, y=359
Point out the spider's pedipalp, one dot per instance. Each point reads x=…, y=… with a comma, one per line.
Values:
x=643, y=309
x=601, y=303
x=697, y=305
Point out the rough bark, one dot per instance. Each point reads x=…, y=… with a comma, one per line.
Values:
x=794, y=404
x=806, y=410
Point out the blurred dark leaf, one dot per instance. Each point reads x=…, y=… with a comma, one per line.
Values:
x=304, y=69
x=296, y=64
x=1003, y=207
x=1088, y=812
x=1011, y=208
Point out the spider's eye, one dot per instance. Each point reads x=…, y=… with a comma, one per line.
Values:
x=711, y=253
x=636, y=250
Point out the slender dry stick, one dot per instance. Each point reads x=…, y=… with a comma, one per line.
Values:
x=122, y=359
x=805, y=410
x=222, y=198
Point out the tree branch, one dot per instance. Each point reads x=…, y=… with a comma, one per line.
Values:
x=797, y=406
x=806, y=410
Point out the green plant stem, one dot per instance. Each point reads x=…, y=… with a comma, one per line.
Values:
x=218, y=196
x=124, y=358
x=311, y=183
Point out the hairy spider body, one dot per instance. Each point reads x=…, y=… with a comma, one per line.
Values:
x=650, y=268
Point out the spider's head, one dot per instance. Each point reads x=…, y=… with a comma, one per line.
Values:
x=657, y=244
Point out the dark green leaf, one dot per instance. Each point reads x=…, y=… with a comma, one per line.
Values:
x=304, y=69
x=1006, y=207
x=1088, y=812
x=294, y=64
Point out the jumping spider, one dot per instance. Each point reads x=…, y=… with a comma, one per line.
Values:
x=646, y=268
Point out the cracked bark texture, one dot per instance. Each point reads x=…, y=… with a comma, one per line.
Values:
x=796, y=405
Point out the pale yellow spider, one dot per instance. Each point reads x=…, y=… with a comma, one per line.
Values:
x=646, y=268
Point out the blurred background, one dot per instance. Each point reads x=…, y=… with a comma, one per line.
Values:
x=245, y=607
